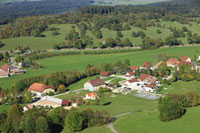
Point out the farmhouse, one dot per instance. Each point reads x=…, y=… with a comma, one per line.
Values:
x=150, y=87
x=172, y=62
x=105, y=74
x=186, y=59
x=49, y=102
x=158, y=64
x=94, y=85
x=133, y=68
x=65, y=103
x=39, y=89
x=129, y=74
x=91, y=96
x=6, y=68
x=4, y=74
x=146, y=65
x=143, y=77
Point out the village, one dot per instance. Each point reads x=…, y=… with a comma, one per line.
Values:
x=145, y=86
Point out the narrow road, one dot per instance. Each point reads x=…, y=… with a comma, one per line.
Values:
x=110, y=125
x=67, y=92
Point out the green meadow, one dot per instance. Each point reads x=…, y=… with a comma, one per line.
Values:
x=79, y=62
x=148, y=121
x=48, y=41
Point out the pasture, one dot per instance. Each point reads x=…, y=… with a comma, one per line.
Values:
x=49, y=40
x=148, y=121
x=79, y=62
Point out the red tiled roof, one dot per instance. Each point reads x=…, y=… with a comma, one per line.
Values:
x=65, y=102
x=38, y=87
x=151, y=79
x=105, y=74
x=92, y=94
x=133, y=68
x=159, y=63
x=184, y=58
x=97, y=82
x=130, y=74
x=150, y=85
x=173, y=61
x=147, y=64
x=3, y=74
x=143, y=77
x=184, y=63
x=5, y=67
x=133, y=80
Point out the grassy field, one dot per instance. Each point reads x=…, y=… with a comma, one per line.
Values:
x=182, y=86
x=48, y=41
x=145, y=122
x=126, y=2
x=62, y=63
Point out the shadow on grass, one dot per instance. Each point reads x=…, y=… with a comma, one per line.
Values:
x=107, y=103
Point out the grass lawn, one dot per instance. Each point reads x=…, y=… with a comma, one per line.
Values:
x=102, y=129
x=117, y=80
x=181, y=86
x=4, y=107
x=145, y=122
x=79, y=62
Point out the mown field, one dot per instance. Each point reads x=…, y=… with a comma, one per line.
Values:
x=48, y=41
x=70, y=62
x=145, y=122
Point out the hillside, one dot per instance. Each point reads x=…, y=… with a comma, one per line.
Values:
x=126, y=2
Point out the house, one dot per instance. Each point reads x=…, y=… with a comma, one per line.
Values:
x=6, y=68
x=76, y=102
x=94, y=85
x=172, y=62
x=20, y=63
x=49, y=102
x=91, y=96
x=65, y=103
x=4, y=74
x=186, y=59
x=143, y=77
x=134, y=84
x=146, y=65
x=27, y=107
x=158, y=64
x=129, y=74
x=105, y=74
x=133, y=68
x=152, y=80
x=150, y=88
x=39, y=89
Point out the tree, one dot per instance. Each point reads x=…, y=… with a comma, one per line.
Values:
x=74, y=120
x=61, y=89
x=41, y=125
x=57, y=116
x=134, y=34
x=169, y=109
x=126, y=27
x=119, y=34
x=158, y=31
x=1, y=57
x=29, y=124
x=28, y=97
x=13, y=119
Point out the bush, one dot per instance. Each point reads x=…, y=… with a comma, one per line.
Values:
x=169, y=109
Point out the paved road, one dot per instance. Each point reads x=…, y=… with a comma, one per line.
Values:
x=110, y=125
x=67, y=92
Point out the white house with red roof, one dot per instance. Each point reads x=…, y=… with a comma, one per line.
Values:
x=133, y=68
x=91, y=96
x=146, y=65
x=129, y=75
x=94, y=85
x=186, y=59
x=39, y=89
x=172, y=62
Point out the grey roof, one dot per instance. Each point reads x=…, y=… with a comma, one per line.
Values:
x=51, y=99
